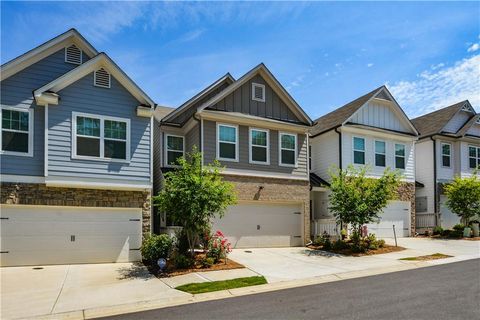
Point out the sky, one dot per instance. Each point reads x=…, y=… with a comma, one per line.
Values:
x=325, y=54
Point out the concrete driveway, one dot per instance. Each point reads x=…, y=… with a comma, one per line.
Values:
x=284, y=264
x=27, y=291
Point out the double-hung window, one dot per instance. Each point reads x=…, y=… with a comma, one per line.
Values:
x=358, y=150
x=473, y=157
x=174, y=149
x=288, y=149
x=446, y=154
x=17, y=132
x=259, y=146
x=380, y=153
x=399, y=156
x=101, y=137
x=227, y=142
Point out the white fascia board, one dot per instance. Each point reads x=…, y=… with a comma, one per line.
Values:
x=263, y=174
x=84, y=183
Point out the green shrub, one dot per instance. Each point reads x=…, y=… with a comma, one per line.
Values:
x=327, y=244
x=181, y=242
x=208, y=262
x=381, y=243
x=155, y=247
x=339, y=245
x=438, y=230
x=459, y=227
x=181, y=261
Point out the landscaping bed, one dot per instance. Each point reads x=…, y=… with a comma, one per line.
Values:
x=434, y=256
x=203, y=287
x=456, y=233
x=348, y=251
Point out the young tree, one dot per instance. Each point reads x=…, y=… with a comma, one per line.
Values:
x=194, y=194
x=463, y=197
x=356, y=199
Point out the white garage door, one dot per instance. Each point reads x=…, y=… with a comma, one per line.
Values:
x=262, y=225
x=396, y=213
x=447, y=218
x=38, y=235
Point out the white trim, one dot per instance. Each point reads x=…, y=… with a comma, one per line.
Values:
x=95, y=79
x=263, y=174
x=30, y=132
x=251, y=145
x=45, y=151
x=201, y=140
x=261, y=86
x=102, y=138
x=21, y=178
x=88, y=183
x=166, y=135
x=358, y=150
x=151, y=148
x=375, y=153
x=446, y=155
x=395, y=155
x=280, y=163
x=477, y=156
x=308, y=154
x=217, y=142
x=81, y=54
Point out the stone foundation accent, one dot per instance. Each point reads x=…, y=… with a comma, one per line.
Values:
x=406, y=192
x=274, y=190
x=40, y=194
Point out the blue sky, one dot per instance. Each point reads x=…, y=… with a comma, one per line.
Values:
x=325, y=54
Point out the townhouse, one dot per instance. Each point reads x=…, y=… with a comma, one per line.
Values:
x=449, y=146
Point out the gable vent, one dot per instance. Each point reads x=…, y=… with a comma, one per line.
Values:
x=101, y=78
x=258, y=92
x=73, y=54
x=466, y=108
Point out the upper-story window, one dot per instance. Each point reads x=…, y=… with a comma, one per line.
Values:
x=473, y=157
x=399, y=156
x=258, y=92
x=227, y=142
x=17, y=132
x=175, y=149
x=288, y=149
x=100, y=137
x=446, y=154
x=380, y=153
x=259, y=146
x=358, y=150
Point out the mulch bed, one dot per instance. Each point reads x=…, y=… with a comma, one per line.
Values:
x=198, y=267
x=437, y=236
x=348, y=252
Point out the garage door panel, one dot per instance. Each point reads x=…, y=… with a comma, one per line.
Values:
x=397, y=214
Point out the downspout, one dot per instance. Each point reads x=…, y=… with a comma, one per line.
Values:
x=435, y=186
x=339, y=148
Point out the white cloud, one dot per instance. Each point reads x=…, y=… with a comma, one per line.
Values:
x=370, y=65
x=437, y=66
x=433, y=90
x=474, y=47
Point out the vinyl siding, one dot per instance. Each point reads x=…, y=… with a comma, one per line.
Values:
x=457, y=122
x=446, y=173
x=424, y=172
x=16, y=91
x=192, y=138
x=83, y=96
x=324, y=153
x=474, y=130
x=210, y=146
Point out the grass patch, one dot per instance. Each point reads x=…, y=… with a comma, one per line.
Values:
x=221, y=285
x=434, y=256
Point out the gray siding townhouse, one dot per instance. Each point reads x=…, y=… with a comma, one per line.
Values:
x=449, y=146
x=76, y=160
x=259, y=133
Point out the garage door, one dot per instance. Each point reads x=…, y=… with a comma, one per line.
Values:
x=396, y=213
x=33, y=235
x=447, y=218
x=251, y=225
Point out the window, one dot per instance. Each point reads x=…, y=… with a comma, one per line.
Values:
x=446, y=154
x=380, y=153
x=174, y=148
x=258, y=92
x=101, y=137
x=227, y=142
x=288, y=149
x=474, y=157
x=73, y=54
x=101, y=78
x=259, y=146
x=17, y=132
x=358, y=150
x=399, y=156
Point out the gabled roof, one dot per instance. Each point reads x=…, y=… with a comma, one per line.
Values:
x=316, y=181
x=271, y=80
x=99, y=61
x=162, y=111
x=340, y=116
x=463, y=131
x=227, y=78
x=30, y=57
x=434, y=122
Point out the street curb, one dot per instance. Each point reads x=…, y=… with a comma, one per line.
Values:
x=217, y=295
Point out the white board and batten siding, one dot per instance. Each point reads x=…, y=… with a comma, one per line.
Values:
x=324, y=153
x=424, y=173
x=457, y=122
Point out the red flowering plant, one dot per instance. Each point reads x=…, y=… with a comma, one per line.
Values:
x=218, y=246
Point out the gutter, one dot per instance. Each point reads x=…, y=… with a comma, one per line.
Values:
x=435, y=189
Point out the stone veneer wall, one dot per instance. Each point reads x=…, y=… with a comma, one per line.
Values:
x=274, y=190
x=406, y=192
x=40, y=194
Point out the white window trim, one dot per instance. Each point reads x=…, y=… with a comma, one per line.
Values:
x=375, y=153
x=251, y=145
x=280, y=163
x=81, y=55
x=217, y=142
x=30, y=132
x=166, y=149
x=109, y=79
x=364, y=151
x=442, y=154
x=253, y=91
x=468, y=155
x=404, y=156
x=102, y=138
